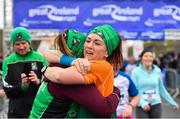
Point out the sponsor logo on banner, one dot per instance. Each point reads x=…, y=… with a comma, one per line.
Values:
x=129, y=35
x=116, y=13
x=152, y=34
x=53, y=13
x=166, y=11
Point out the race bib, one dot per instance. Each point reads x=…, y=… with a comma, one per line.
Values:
x=149, y=95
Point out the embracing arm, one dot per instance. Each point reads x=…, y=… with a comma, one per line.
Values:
x=52, y=56
x=89, y=97
x=64, y=75
x=56, y=56
x=72, y=76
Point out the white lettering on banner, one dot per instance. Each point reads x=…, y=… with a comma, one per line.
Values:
x=128, y=34
x=168, y=10
x=26, y=23
x=54, y=13
x=118, y=13
x=90, y=22
x=152, y=22
x=152, y=34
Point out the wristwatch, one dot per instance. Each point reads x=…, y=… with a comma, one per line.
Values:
x=43, y=70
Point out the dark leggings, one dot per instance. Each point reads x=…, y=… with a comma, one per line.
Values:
x=154, y=112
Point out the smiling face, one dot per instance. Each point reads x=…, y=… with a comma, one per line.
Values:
x=95, y=48
x=147, y=59
x=21, y=47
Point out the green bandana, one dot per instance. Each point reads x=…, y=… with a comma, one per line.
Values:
x=20, y=33
x=75, y=42
x=109, y=35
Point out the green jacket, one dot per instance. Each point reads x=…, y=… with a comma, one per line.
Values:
x=21, y=99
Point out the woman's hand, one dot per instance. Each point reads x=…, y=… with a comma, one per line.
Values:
x=176, y=107
x=25, y=80
x=146, y=108
x=68, y=75
x=82, y=65
x=33, y=78
x=127, y=112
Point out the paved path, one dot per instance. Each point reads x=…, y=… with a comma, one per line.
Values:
x=168, y=112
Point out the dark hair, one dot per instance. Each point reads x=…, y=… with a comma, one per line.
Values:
x=144, y=51
x=116, y=58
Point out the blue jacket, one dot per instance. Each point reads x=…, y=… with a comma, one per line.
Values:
x=150, y=86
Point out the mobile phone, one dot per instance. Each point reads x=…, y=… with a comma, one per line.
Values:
x=27, y=68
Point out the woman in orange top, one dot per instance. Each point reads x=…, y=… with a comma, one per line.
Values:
x=103, y=48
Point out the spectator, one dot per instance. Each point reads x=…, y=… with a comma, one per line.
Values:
x=131, y=65
x=21, y=74
x=129, y=95
x=147, y=78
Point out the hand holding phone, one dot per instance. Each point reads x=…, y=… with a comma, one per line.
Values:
x=27, y=68
x=25, y=80
x=33, y=78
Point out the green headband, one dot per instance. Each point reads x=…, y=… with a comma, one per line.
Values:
x=20, y=33
x=109, y=35
x=75, y=41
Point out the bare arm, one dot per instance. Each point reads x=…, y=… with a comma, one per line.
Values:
x=134, y=100
x=52, y=56
x=64, y=75
x=127, y=112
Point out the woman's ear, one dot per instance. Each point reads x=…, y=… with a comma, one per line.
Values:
x=106, y=55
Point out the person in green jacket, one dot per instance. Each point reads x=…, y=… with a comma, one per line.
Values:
x=22, y=74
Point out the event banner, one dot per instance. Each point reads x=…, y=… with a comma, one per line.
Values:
x=140, y=19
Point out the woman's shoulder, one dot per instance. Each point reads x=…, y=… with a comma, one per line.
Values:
x=101, y=62
x=101, y=65
x=156, y=68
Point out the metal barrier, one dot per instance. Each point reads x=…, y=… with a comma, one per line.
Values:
x=171, y=80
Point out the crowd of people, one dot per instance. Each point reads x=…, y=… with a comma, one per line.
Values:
x=81, y=78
